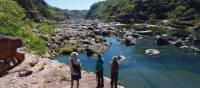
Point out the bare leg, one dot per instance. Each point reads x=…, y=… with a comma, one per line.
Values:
x=102, y=80
x=116, y=79
x=111, y=85
x=77, y=83
x=72, y=83
x=112, y=80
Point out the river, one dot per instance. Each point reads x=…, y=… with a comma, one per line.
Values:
x=173, y=68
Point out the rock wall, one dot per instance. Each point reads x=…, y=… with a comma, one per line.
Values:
x=9, y=57
x=29, y=8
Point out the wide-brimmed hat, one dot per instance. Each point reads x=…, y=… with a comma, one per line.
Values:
x=74, y=55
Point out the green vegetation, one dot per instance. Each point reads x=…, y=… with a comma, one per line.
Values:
x=34, y=43
x=197, y=35
x=46, y=29
x=43, y=11
x=146, y=10
x=109, y=9
x=63, y=75
x=47, y=11
x=68, y=49
x=162, y=31
x=11, y=15
x=12, y=23
x=178, y=11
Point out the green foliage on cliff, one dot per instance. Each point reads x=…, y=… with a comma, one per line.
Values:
x=49, y=12
x=13, y=23
x=109, y=9
x=146, y=9
x=46, y=29
x=68, y=49
x=11, y=15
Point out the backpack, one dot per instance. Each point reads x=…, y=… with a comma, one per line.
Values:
x=77, y=68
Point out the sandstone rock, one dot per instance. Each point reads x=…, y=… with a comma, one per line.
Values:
x=106, y=33
x=53, y=75
x=162, y=41
x=8, y=46
x=130, y=40
x=25, y=73
x=179, y=44
x=8, y=52
x=91, y=50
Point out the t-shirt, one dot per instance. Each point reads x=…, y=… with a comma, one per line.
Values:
x=115, y=67
x=99, y=65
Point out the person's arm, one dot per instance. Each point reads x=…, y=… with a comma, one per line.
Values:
x=71, y=68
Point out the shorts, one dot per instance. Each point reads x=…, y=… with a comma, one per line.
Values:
x=75, y=77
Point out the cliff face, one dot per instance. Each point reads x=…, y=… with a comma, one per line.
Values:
x=9, y=56
x=38, y=9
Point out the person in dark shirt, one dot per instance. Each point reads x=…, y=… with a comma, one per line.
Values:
x=114, y=71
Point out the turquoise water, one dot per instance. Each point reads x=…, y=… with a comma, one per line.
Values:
x=173, y=68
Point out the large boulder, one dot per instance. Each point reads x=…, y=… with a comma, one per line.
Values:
x=106, y=33
x=162, y=41
x=130, y=40
x=25, y=73
x=179, y=44
x=9, y=57
x=8, y=46
x=92, y=50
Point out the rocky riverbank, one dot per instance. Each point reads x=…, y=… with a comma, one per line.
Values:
x=38, y=72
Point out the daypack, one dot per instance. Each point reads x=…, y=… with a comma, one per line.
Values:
x=76, y=67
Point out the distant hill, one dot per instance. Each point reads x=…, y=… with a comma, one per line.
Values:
x=77, y=13
x=137, y=10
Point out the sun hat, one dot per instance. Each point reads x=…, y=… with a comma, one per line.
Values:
x=74, y=55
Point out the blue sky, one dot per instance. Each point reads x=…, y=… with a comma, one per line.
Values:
x=72, y=4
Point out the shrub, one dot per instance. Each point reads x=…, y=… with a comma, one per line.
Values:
x=68, y=49
x=33, y=42
x=12, y=23
x=11, y=15
x=46, y=29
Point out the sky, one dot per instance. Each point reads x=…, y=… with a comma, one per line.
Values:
x=72, y=4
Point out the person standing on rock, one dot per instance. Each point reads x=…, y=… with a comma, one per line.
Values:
x=114, y=71
x=75, y=68
x=99, y=71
